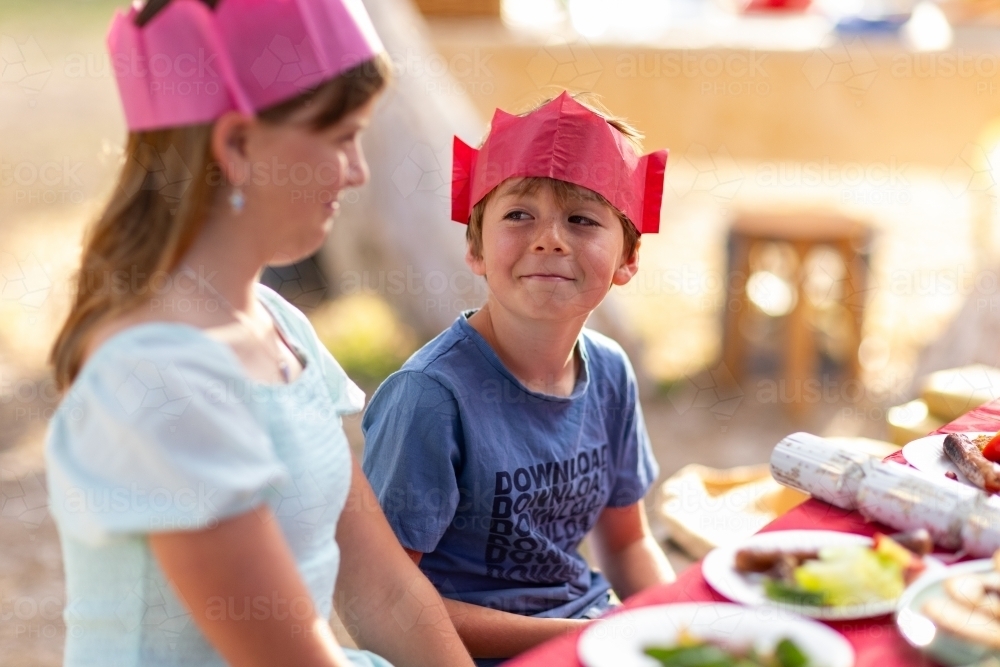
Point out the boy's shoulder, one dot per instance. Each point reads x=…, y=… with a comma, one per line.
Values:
x=606, y=356
x=603, y=345
x=442, y=370
x=440, y=352
x=450, y=360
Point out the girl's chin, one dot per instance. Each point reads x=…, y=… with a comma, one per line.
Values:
x=292, y=255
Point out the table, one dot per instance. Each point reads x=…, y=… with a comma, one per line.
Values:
x=876, y=641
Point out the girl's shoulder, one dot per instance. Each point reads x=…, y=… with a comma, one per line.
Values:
x=160, y=343
x=157, y=337
x=148, y=326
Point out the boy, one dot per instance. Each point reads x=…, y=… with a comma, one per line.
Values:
x=512, y=435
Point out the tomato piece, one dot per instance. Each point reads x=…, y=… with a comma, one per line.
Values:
x=991, y=452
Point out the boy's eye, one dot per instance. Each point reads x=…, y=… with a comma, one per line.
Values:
x=584, y=220
x=516, y=215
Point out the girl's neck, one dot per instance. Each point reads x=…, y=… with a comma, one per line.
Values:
x=226, y=264
x=541, y=354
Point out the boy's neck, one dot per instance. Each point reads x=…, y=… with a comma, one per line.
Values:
x=538, y=353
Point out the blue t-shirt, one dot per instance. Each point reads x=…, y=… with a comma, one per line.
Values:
x=496, y=484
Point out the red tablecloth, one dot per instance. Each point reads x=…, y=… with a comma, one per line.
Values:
x=876, y=641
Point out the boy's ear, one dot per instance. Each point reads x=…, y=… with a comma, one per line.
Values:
x=475, y=263
x=628, y=268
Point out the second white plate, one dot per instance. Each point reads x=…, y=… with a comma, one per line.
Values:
x=927, y=455
x=620, y=640
x=920, y=631
x=719, y=570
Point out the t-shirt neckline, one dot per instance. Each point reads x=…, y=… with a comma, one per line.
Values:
x=579, y=387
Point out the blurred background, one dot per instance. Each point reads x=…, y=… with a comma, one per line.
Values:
x=828, y=259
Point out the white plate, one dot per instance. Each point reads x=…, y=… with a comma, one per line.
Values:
x=619, y=640
x=921, y=632
x=927, y=455
x=719, y=570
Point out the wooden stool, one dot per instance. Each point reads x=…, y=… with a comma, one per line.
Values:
x=803, y=232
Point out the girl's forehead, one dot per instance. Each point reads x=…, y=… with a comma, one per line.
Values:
x=304, y=120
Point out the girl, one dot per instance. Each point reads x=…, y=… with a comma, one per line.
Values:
x=198, y=471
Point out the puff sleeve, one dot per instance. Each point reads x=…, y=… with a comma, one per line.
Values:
x=158, y=433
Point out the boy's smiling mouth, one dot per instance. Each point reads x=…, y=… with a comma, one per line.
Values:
x=549, y=277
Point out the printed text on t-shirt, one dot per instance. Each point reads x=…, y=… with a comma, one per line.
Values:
x=538, y=507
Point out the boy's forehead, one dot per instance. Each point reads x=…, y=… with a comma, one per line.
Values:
x=521, y=185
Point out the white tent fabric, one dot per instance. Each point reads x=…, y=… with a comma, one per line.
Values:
x=394, y=237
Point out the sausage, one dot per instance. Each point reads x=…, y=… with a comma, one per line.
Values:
x=761, y=560
x=971, y=462
x=918, y=541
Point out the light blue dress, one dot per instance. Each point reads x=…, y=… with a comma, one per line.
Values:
x=161, y=431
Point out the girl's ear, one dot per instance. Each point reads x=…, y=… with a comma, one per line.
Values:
x=229, y=146
x=628, y=267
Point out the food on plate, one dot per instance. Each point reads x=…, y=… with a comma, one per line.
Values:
x=991, y=448
x=693, y=652
x=969, y=460
x=964, y=621
x=839, y=576
x=764, y=560
x=984, y=439
x=970, y=608
x=918, y=541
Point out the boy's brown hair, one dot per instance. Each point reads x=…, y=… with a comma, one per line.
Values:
x=563, y=190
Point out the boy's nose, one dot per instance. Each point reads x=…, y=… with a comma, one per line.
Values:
x=549, y=238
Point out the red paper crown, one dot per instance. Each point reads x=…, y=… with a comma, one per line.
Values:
x=566, y=141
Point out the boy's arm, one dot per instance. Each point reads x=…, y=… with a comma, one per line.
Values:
x=488, y=633
x=626, y=551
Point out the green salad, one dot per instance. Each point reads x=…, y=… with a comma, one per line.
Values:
x=691, y=652
x=839, y=576
x=848, y=575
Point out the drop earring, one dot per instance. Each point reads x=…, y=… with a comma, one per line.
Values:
x=237, y=200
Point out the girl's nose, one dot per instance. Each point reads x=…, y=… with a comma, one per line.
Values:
x=357, y=169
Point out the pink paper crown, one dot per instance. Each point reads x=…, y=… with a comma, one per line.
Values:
x=566, y=141
x=191, y=64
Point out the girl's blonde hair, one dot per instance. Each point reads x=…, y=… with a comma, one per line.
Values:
x=167, y=186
